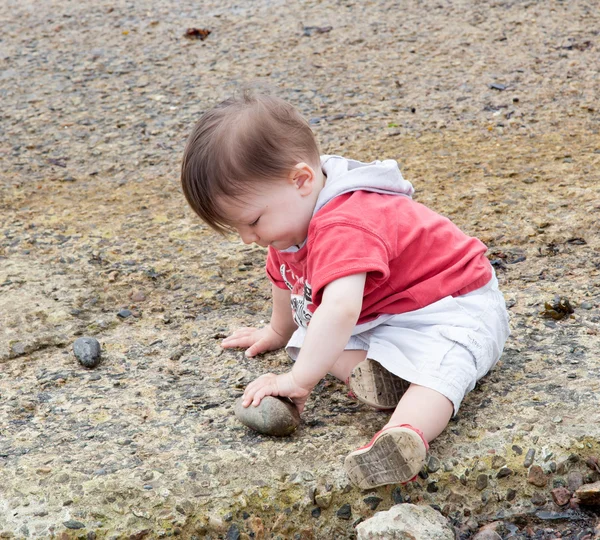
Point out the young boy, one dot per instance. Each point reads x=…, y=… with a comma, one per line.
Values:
x=386, y=295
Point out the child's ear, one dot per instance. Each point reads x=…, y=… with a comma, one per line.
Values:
x=303, y=177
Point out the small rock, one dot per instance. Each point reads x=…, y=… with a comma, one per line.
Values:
x=574, y=481
x=511, y=494
x=498, y=461
x=372, y=502
x=138, y=296
x=517, y=449
x=397, y=495
x=72, y=524
x=433, y=464
x=481, y=482
x=561, y=496
x=17, y=349
x=315, y=512
x=536, y=476
x=323, y=499
x=273, y=416
x=124, y=313
x=589, y=494
x=405, y=521
x=529, y=457
x=586, y=305
x=233, y=533
x=504, y=472
x=87, y=350
x=345, y=512
x=538, y=499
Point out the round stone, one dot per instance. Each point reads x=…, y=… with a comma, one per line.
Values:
x=87, y=350
x=272, y=416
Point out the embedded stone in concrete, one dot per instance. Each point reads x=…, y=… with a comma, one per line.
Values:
x=87, y=350
x=406, y=522
x=589, y=494
x=272, y=416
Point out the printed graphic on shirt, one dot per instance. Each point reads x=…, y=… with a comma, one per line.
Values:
x=301, y=296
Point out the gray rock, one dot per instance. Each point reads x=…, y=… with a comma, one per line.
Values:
x=87, y=350
x=73, y=524
x=273, y=416
x=404, y=522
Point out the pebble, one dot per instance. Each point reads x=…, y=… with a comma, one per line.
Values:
x=538, y=499
x=529, y=457
x=481, y=482
x=574, y=481
x=504, y=472
x=498, y=461
x=536, y=476
x=372, y=502
x=124, y=313
x=397, y=495
x=273, y=416
x=511, y=494
x=345, y=512
x=87, y=350
x=433, y=464
x=72, y=524
x=323, y=499
x=233, y=533
x=586, y=305
x=138, y=296
x=561, y=496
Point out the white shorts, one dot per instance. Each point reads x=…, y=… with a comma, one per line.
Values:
x=446, y=346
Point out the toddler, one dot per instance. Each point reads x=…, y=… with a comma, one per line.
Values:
x=385, y=294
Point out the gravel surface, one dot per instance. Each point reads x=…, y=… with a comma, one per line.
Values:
x=492, y=110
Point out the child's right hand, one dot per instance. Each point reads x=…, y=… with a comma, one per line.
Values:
x=258, y=340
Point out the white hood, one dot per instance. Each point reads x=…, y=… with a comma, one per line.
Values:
x=345, y=175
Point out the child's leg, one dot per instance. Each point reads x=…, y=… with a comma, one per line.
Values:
x=397, y=453
x=424, y=409
x=347, y=361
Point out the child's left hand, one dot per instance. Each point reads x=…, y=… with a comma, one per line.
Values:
x=276, y=385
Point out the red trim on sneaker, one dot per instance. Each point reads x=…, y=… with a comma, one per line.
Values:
x=408, y=426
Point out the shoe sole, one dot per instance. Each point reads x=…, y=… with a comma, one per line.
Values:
x=395, y=457
x=375, y=386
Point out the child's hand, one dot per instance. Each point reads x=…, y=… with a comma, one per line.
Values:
x=276, y=385
x=258, y=340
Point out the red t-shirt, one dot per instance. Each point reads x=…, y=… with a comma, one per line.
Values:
x=412, y=256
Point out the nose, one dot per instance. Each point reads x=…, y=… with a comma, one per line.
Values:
x=247, y=236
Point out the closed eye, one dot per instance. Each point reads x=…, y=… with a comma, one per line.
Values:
x=255, y=222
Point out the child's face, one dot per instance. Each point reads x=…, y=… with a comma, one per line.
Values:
x=277, y=214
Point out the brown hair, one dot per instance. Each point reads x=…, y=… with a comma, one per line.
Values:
x=236, y=146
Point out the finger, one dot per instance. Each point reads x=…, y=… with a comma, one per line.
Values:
x=240, y=333
x=238, y=342
x=260, y=346
x=261, y=393
x=251, y=390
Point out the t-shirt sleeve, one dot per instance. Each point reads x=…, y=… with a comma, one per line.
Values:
x=273, y=269
x=341, y=250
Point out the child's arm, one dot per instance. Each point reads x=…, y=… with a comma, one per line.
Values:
x=273, y=336
x=328, y=333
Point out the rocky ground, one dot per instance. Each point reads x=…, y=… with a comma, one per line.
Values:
x=492, y=110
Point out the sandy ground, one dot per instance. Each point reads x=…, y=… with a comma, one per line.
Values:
x=492, y=110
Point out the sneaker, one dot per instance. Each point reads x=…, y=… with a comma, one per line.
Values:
x=375, y=386
x=395, y=455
